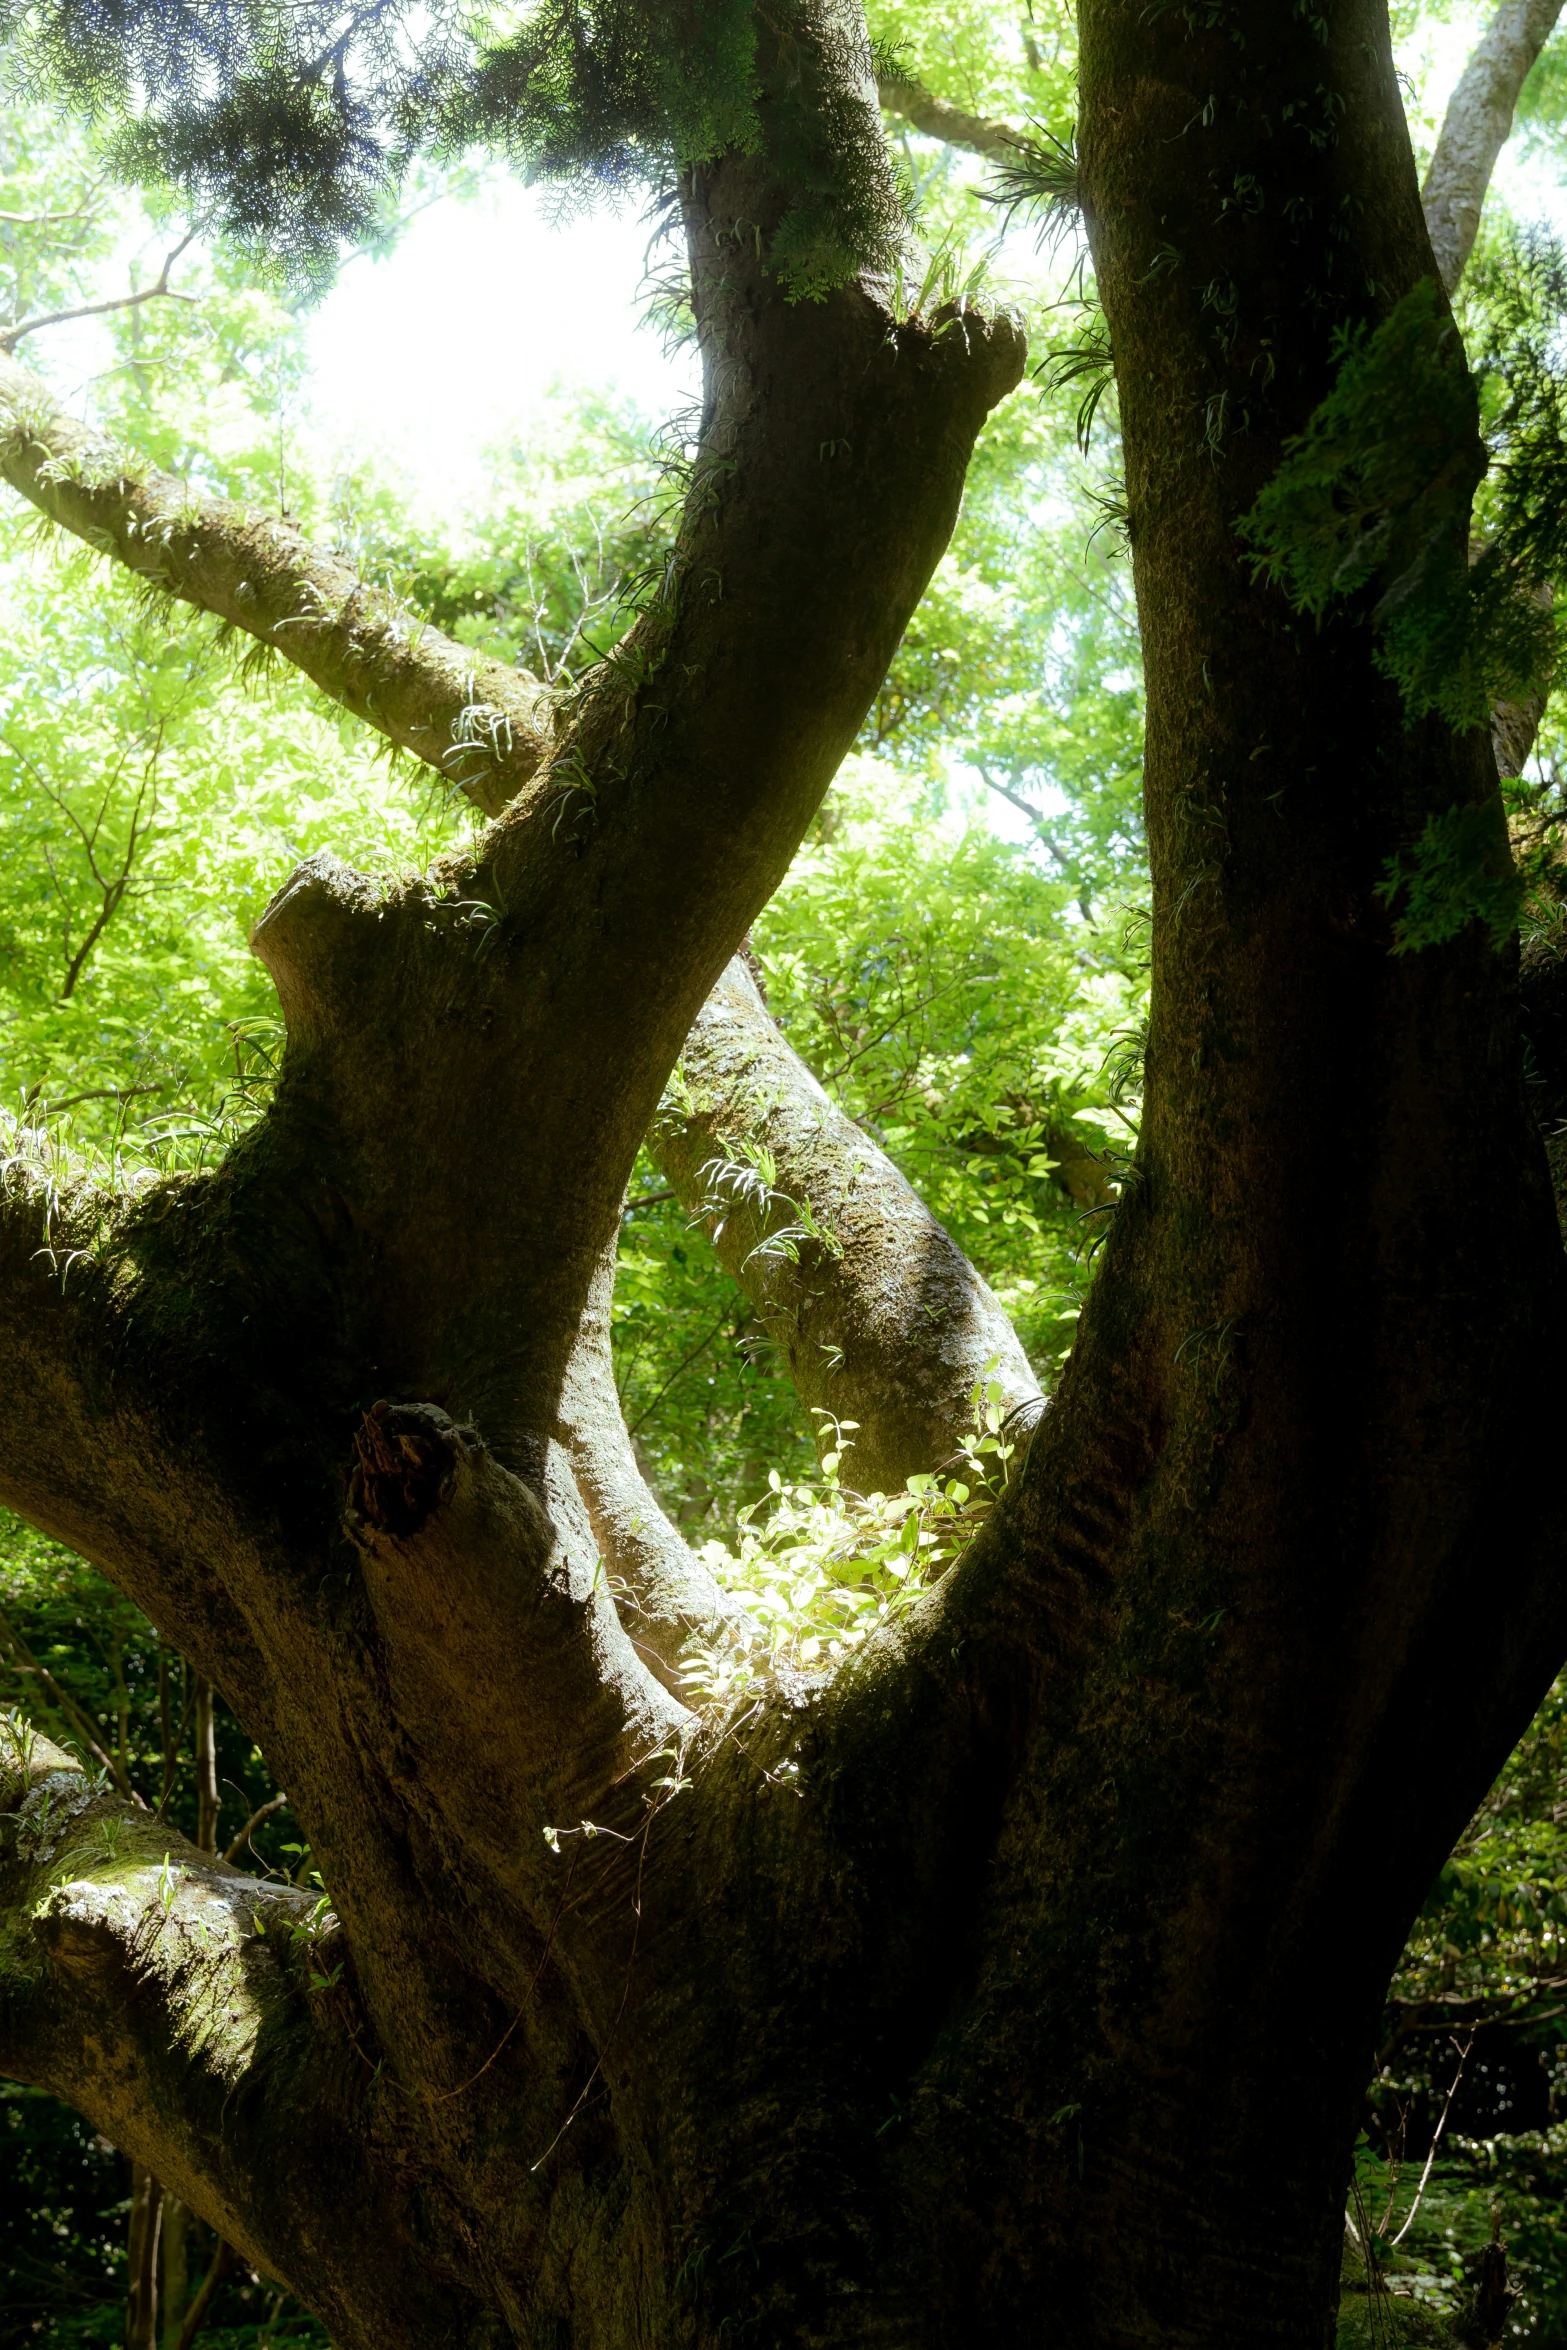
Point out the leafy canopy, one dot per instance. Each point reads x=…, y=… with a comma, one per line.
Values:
x=289, y=127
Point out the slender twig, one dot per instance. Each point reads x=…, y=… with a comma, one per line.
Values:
x=904, y=1014
x=114, y=892
x=44, y=219
x=1436, y=2140
x=533, y=1983
x=631, y=1959
x=679, y=1370
x=274, y=1803
x=101, y=1093
x=1014, y=799
x=161, y=291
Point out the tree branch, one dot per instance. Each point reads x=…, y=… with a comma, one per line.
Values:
x=883, y=1320
x=84, y=1455
x=262, y=1812
x=1476, y=127
x=478, y=1607
x=664, y=1590
x=224, y=2260
x=481, y=725
x=939, y=120
x=161, y=291
x=167, y=1997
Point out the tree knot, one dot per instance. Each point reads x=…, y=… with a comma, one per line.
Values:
x=404, y=1457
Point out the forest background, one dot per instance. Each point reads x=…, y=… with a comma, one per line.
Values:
x=957, y=954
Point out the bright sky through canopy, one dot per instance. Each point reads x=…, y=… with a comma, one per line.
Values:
x=512, y=301
x=508, y=305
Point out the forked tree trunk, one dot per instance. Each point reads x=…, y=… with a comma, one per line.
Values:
x=1016, y=1984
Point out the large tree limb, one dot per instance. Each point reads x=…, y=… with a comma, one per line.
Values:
x=417, y=1221
x=168, y=1997
x=1477, y=126
x=506, y=1663
x=882, y=1320
x=83, y=1457
x=480, y=724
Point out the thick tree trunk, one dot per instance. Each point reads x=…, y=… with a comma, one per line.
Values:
x=1016, y=1982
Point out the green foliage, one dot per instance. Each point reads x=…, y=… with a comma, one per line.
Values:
x=250, y=111
x=1459, y=872
x=1514, y=294
x=572, y=536
x=1023, y=662
x=928, y=973
x=1018, y=66
x=92, y=1658
x=816, y=1568
x=1477, y=2001
x=1392, y=504
x=150, y=804
x=293, y=126
x=1377, y=490
x=1377, y=493
x=1540, y=116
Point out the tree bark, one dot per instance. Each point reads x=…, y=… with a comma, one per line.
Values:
x=879, y=1318
x=1477, y=125
x=937, y=118
x=224, y=2259
x=176, y=2281
x=141, y=2296
x=206, y=1769
x=955, y=1996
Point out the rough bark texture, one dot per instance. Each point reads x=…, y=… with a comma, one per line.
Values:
x=1477, y=126
x=958, y=1997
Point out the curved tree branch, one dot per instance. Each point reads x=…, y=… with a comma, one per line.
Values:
x=169, y=1998
x=939, y=120
x=480, y=724
x=1476, y=127
x=663, y=1589
x=878, y=1315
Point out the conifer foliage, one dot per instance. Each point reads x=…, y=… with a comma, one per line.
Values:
x=289, y=128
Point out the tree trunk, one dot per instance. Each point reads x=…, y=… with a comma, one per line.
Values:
x=206, y=1769
x=1016, y=1981
x=141, y=2297
x=176, y=2281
